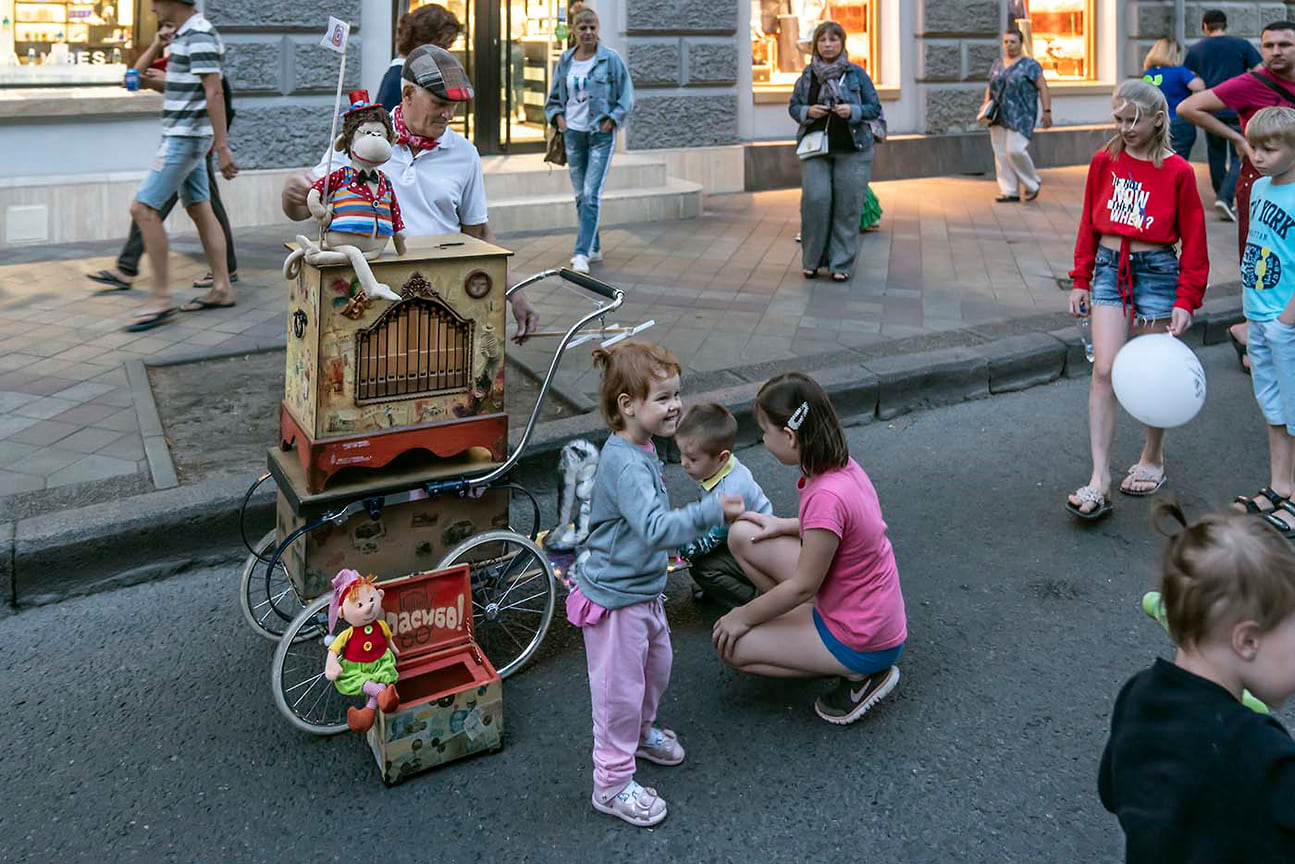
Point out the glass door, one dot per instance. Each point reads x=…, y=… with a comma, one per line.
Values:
x=509, y=49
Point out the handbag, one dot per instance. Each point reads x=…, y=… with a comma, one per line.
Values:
x=813, y=144
x=556, y=154
x=989, y=112
x=878, y=129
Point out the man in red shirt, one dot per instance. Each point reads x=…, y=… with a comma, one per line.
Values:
x=1246, y=94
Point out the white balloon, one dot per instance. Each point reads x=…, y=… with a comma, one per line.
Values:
x=1159, y=380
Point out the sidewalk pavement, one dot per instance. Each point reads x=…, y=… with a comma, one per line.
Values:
x=725, y=291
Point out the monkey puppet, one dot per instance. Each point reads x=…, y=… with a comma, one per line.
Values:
x=363, y=211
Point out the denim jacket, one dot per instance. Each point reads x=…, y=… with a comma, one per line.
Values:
x=862, y=96
x=610, y=92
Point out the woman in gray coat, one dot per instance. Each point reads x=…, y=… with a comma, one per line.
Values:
x=836, y=97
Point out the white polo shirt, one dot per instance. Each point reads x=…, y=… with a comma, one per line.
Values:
x=439, y=190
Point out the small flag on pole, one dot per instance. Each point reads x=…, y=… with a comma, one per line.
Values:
x=338, y=32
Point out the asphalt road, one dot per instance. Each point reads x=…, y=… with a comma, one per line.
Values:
x=142, y=725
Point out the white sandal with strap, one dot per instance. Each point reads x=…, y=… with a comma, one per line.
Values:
x=635, y=804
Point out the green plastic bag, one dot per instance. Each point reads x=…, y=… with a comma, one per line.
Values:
x=871, y=210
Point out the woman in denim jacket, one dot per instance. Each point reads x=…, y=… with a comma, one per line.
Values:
x=590, y=99
x=835, y=96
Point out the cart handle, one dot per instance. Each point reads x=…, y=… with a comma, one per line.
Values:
x=589, y=283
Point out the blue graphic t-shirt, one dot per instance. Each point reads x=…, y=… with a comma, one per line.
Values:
x=1172, y=81
x=1268, y=265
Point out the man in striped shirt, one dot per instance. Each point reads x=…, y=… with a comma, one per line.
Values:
x=193, y=119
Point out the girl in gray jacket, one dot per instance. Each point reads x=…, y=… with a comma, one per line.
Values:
x=616, y=600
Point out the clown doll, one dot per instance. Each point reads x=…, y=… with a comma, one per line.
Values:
x=362, y=659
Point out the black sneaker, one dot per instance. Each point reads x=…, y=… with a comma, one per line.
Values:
x=850, y=700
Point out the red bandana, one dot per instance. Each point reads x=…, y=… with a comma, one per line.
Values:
x=415, y=143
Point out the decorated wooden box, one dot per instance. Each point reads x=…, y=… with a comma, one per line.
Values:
x=369, y=379
x=414, y=535
x=451, y=698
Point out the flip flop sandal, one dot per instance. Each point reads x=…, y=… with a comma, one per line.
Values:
x=1089, y=495
x=1239, y=347
x=103, y=277
x=840, y=277
x=1143, y=474
x=209, y=280
x=198, y=304
x=150, y=320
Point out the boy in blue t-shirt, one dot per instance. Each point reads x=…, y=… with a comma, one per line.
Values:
x=1268, y=299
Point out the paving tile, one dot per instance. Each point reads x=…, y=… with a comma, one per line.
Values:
x=90, y=440
x=13, y=399
x=87, y=414
x=85, y=391
x=12, y=424
x=44, y=408
x=12, y=483
x=16, y=360
x=13, y=451
x=124, y=420
x=90, y=468
x=125, y=447
x=119, y=398
x=46, y=460
x=42, y=432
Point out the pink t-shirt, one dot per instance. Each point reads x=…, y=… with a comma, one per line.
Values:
x=859, y=600
x=1245, y=95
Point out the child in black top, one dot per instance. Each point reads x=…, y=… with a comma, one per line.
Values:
x=1192, y=774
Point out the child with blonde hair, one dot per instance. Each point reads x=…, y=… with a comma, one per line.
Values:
x=616, y=599
x=1140, y=200
x=1191, y=773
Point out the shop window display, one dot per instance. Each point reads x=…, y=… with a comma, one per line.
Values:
x=781, y=31
x=58, y=42
x=1058, y=34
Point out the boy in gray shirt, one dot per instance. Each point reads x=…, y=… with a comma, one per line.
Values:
x=706, y=437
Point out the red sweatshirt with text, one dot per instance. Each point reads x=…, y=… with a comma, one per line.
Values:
x=1132, y=198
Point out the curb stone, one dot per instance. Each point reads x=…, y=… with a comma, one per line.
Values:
x=185, y=527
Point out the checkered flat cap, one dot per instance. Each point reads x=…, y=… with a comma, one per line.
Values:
x=435, y=70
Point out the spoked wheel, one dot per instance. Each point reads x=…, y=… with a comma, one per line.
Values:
x=303, y=694
x=513, y=591
x=269, y=613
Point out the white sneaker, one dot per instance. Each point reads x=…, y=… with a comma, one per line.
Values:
x=580, y=263
x=596, y=255
x=1225, y=211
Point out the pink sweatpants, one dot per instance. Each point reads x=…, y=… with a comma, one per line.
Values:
x=629, y=657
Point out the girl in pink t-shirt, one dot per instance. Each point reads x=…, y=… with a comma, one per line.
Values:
x=830, y=601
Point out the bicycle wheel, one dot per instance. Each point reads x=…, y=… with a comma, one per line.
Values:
x=303, y=694
x=513, y=592
x=258, y=607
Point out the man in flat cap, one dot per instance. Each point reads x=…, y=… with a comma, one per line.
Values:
x=435, y=171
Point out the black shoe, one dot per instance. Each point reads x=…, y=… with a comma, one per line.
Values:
x=1007, y=199
x=699, y=594
x=850, y=700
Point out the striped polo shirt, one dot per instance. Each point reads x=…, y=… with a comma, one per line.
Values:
x=356, y=210
x=196, y=50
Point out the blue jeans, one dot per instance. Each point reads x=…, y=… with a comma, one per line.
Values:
x=1155, y=282
x=180, y=166
x=1182, y=137
x=1225, y=164
x=589, y=158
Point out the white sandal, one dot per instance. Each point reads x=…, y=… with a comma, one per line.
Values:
x=635, y=804
x=1139, y=473
x=1089, y=495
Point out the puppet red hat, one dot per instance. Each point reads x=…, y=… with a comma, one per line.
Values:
x=359, y=101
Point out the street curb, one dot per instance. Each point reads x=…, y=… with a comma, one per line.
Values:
x=71, y=553
x=160, y=465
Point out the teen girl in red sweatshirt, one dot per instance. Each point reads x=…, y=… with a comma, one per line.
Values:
x=1139, y=202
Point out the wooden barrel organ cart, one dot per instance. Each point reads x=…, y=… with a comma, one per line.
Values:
x=394, y=449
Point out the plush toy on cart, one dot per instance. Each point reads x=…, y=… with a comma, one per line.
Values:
x=362, y=659
x=355, y=205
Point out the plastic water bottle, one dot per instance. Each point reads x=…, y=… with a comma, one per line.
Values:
x=1085, y=328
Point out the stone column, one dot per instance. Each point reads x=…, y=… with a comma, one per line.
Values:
x=283, y=80
x=957, y=41
x=682, y=56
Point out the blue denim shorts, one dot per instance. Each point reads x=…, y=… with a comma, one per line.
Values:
x=1155, y=281
x=179, y=166
x=859, y=662
x=1271, y=348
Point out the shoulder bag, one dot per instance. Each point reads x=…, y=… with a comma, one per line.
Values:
x=1275, y=87
x=812, y=144
x=556, y=154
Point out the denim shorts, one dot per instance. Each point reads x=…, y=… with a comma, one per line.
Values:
x=179, y=166
x=859, y=662
x=1271, y=348
x=1155, y=281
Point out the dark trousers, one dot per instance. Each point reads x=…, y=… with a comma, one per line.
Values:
x=128, y=260
x=1225, y=164
x=1182, y=137
x=722, y=578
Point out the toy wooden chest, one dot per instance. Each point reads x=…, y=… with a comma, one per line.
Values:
x=369, y=379
x=414, y=535
x=451, y=698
